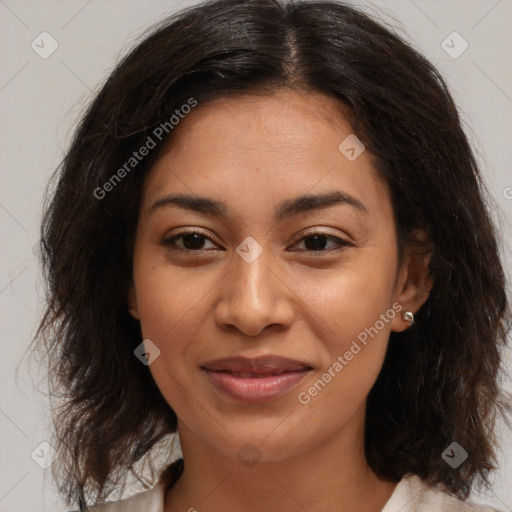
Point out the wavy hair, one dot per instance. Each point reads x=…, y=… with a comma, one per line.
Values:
x=439, y=381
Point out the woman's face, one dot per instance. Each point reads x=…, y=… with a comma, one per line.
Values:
x=257, y=282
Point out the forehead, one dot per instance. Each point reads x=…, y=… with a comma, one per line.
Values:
x=263, y=148
x=279, y=122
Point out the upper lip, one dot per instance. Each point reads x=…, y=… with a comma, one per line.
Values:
x=259, y=365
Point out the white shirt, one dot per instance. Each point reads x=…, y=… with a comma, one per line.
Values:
x=410, y=495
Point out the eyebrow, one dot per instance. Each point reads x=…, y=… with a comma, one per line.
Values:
x=285, y=209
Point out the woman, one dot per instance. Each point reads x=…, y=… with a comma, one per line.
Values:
x=269, y=237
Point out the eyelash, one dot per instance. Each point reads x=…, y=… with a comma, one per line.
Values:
x=170, y=242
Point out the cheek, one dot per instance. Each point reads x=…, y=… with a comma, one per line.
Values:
x=171, y=304
x=356, y=345
x=354, y=301
x=167, y=296
x=169, y=320
x=357, y=309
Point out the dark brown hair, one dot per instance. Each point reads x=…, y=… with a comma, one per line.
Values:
x=439, y=382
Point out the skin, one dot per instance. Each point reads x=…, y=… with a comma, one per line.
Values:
x=252, y=152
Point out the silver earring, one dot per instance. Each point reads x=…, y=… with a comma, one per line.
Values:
x=408, y=316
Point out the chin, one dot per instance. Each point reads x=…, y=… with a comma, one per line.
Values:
x=252, y=445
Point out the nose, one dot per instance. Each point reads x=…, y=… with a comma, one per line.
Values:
x=255, y=296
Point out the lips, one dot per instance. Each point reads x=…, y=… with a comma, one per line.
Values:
x=267, y=365
x=251, y=375
x=255, y=379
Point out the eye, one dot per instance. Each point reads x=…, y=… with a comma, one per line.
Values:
x=193, y=241
x=318, y=239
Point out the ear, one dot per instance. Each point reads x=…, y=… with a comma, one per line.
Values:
x=414, y=282
x=131, y=301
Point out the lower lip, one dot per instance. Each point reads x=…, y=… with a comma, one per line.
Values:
x=257, y=389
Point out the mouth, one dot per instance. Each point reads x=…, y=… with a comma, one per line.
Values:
x=251, y=375
x=252, y=380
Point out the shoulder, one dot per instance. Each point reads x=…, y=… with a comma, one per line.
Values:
x=412, y=494
x=149, y=501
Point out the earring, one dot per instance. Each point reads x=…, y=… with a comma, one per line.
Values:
x=408, y=316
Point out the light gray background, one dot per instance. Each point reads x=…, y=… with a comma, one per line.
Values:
x=41, y=100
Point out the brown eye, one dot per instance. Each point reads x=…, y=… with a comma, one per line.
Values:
x=191, y=241
x=317, y=241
